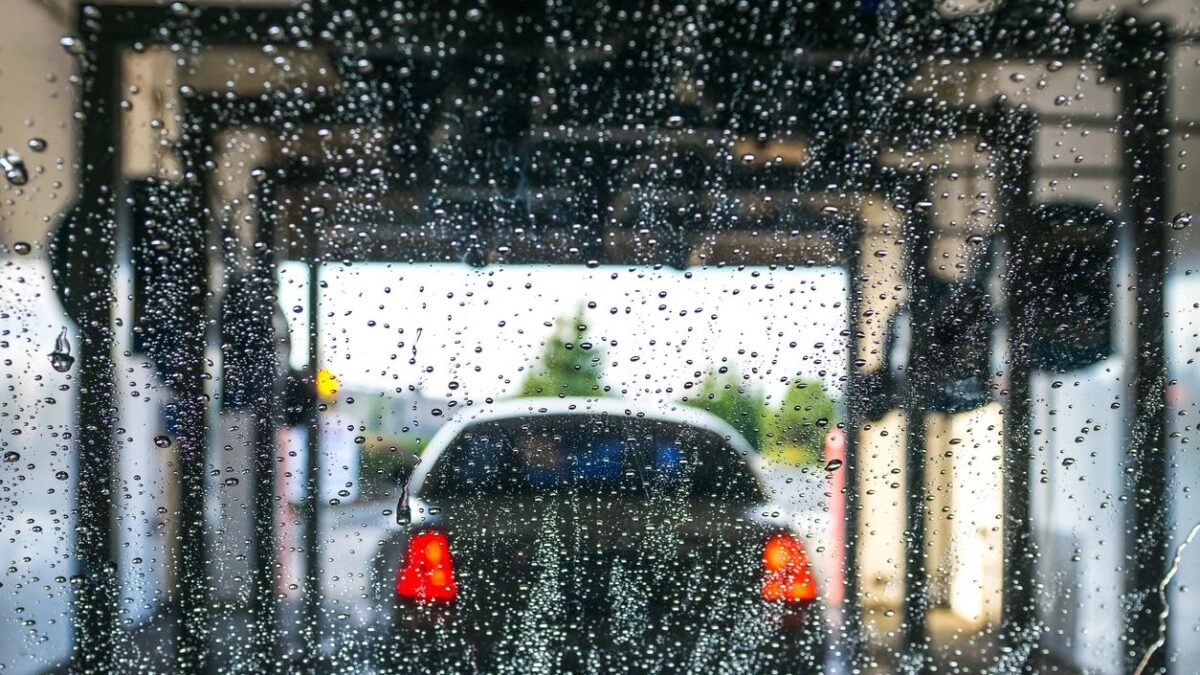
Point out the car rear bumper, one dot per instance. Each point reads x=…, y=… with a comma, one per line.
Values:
x=441, y=638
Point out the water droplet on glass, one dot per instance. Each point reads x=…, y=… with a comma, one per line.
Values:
x=833, y=465
x=72, y=44
x=21, y=248
x=181, y=9
x=12, y=456
x=62, y=475
x=1181, y=221
x=36, y=144
x=61, y=359
x=14, y=168
x=162, y=441
x=231, y=481
x=674, y=122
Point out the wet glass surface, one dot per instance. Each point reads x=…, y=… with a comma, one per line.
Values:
x=355, y=336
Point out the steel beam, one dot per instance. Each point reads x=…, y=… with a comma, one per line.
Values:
x=1144, y=186
x=92, y=252
x=1013, y=140
x=264, y=601
x=918, y=235
x=853, y=640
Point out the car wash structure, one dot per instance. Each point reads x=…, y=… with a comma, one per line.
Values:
x=623, y=133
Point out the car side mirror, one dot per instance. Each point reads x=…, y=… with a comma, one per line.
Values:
x=403, y=509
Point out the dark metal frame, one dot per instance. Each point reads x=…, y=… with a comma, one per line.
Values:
x=1140, y=60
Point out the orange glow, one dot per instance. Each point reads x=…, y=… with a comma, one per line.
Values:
x=434, y=551
x=787, y=572
x=777, y=553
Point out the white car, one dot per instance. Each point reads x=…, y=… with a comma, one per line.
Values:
x=571, y=535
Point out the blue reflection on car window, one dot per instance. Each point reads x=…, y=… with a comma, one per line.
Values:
x=599, y=460
x=666, y=459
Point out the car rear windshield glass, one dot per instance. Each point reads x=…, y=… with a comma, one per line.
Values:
x=591, y=454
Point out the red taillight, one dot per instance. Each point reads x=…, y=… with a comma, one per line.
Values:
x=428, y=571
x=787, y=573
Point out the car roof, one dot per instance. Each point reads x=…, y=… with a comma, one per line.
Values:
x=673, y=411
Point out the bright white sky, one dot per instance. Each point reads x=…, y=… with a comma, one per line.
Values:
x=482, y=327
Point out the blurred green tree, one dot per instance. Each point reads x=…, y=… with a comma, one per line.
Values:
x=731, y=397
x=795, y=432
x=570, y=365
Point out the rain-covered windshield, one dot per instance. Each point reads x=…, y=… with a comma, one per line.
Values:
x=853, y=337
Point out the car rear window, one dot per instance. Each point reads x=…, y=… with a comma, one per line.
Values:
x=582, y=455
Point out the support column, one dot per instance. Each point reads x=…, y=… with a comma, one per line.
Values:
x=86, y=284
x=918, y=232
x=1015, y=134
x=186, y=373
x=1144, y=147
x=313, y=479
x=852, y=634
x=264, y=601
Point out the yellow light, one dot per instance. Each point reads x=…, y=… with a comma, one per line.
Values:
x=327, y=383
